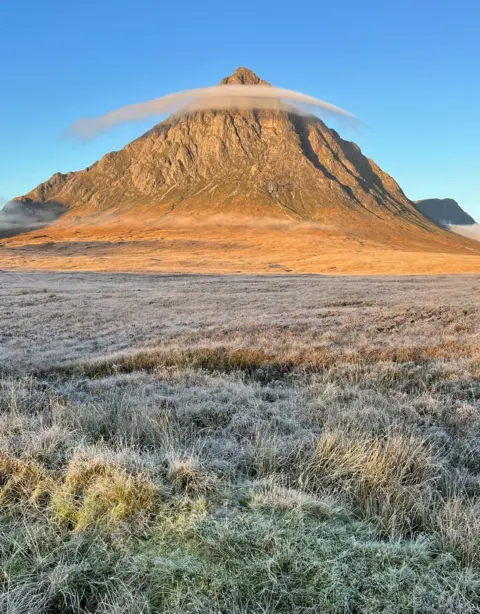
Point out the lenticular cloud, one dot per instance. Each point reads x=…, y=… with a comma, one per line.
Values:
x=236, y=97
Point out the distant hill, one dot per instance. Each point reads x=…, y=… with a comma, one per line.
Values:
x=444, y=211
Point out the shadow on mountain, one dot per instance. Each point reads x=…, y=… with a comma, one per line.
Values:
x=19, y=216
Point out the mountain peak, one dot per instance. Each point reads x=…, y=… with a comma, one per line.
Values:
x=243, y=76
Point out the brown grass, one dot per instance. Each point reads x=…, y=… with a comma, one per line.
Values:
x=392, y=481
x=261, y=364
x=227, y=249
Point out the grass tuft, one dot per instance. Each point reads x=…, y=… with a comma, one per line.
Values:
x=93, y=494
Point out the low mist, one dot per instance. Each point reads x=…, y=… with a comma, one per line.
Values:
x=241, y=221
x=238, y=97
x=17, y=217
x=471, y=232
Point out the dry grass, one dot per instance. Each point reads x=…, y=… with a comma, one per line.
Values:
x=392, y=481
x=196, y=248
x=258, y=453
x=260, y=364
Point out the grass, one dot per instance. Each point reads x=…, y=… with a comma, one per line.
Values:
x=326, y=461
x=258, y=364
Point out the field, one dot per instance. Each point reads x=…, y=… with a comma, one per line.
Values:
x=238, y=245
x=251, y=444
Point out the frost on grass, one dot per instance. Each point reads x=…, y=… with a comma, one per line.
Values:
x=241, y=445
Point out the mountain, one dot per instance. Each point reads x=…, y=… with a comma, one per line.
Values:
x=260, y=162
x=239, y=190
x=444, y=211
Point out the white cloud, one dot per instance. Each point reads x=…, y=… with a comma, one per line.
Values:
x=217, y=97
x=471, y=232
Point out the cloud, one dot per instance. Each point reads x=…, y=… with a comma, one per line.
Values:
x=218, y=97
x=17, y=217
x=471, y=232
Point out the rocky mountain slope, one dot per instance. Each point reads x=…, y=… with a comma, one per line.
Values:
x=444, y=211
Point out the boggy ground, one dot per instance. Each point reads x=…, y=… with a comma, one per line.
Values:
x=239, y=444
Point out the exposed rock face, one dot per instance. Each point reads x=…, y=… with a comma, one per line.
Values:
x=243, y=76
x=444, y=211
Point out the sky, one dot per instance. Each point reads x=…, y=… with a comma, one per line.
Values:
x=408, y=69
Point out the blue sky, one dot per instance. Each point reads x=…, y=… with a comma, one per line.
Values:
x=408, y=69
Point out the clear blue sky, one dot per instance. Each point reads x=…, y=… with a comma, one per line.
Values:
x=409, y=69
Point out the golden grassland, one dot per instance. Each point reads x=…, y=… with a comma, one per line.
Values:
x=274, y=246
